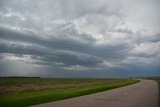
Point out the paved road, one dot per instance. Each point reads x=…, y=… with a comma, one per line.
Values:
x=142, y=94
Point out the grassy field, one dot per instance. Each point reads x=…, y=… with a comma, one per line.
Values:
x=29, y=91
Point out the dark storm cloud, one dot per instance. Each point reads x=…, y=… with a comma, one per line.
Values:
x=49, y=55
x=46, y=42
x=103, y=50
x=77, y=35
x=48, y=51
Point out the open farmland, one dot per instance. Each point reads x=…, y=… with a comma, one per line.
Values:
x=30, y=91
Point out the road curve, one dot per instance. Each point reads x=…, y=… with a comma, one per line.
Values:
x=142, y=94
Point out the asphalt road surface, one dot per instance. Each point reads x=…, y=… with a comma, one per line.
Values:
x=142, y=94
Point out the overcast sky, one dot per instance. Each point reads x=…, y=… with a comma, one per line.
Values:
x=80, y=38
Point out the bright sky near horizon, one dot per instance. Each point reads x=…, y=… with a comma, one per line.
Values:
x=79, y=38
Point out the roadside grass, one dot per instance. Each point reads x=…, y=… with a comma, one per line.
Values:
x=21, y=92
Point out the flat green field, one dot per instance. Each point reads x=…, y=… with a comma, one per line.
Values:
x=30, y=91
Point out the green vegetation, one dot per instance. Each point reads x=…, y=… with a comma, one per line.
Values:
x=29, y=91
